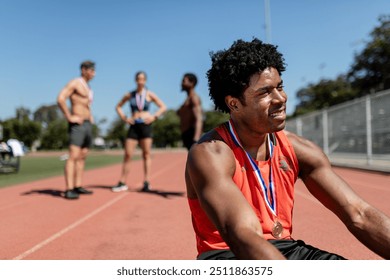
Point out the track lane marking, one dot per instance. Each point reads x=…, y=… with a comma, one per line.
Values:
x=83, y=219
x=68, y=228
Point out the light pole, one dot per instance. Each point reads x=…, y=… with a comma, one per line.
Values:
x=267, y=21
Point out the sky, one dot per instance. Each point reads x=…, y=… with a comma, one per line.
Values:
x=43, y=43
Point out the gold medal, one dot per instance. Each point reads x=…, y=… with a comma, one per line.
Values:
x=277, y=230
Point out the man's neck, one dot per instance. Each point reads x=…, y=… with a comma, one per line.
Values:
x=190, y=92
x=252, y=142
x=84, y=78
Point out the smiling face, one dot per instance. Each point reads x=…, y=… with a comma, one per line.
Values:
x=263, y=108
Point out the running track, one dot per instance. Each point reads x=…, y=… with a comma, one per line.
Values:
x=38, y=224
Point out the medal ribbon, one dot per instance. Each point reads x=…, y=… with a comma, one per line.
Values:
x=268, y=192
x=140, y=99
x=90, y=92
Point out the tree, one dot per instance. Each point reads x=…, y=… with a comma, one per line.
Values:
x=371, y=68
x=213, y=119
x=22, y=113
x=166, y=130
x=369, y=72
x=47, y=114
x=55, y=136
x=116, y=132
x=324, y=94
x=24, y=130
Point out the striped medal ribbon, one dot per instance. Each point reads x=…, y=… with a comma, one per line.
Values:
x=268, y=192
x=90, y=92
x=140, y=99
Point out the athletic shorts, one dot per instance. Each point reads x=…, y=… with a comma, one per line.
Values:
x=80, y=134
x=188, y=137
x=139, y=131
x=291, y=249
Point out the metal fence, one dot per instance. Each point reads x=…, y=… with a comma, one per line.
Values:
x=358, y=129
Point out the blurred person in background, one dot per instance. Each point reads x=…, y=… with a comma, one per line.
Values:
x=80, y=121
x=140, y=130
x=190, y=112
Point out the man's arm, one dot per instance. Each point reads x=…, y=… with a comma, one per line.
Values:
x=210, y=167
x=197, y=111
x=366, y=223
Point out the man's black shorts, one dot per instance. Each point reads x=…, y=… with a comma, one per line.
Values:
x=80, y=134
x=188, y=137
x=291, y=249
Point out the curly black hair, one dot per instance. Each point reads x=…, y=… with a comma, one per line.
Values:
x=231, y=69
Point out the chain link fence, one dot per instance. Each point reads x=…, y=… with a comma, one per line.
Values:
x=352, y=133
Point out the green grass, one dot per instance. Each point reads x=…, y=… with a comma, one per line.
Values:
x=35, y=168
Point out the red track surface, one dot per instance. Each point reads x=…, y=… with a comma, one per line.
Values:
x=37, y=223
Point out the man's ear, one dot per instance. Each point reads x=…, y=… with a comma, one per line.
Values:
x=232, y=103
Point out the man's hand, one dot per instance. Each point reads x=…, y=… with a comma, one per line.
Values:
x=75, y=119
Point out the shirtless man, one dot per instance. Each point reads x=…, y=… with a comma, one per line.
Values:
x=80, y=127
x=190, y=113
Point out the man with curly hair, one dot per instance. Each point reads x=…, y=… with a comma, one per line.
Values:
x=240, y=176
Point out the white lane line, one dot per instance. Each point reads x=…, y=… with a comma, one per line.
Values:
x=83, y=219
x=68, y=228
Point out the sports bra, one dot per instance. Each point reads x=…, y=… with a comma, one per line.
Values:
x=138, y=102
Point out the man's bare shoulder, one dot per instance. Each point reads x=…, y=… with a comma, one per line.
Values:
x=209, y=162
x=308, y=154
x=75, y=85
x=75, y=82
x=195, y=99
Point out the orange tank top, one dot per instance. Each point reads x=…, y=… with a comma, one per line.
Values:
x=284, y=173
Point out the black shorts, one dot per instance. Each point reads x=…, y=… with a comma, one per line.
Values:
x=80, y=134
x=188, y=137
x=139, y=131
x=291, y=249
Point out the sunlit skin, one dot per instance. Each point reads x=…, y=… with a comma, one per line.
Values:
x=190, y=112
x=145, y=143
x=80, y=111
x=78, y=95
x=145, y=115
x=211, y=166
x=262, y=111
